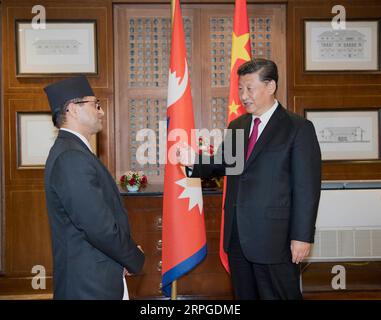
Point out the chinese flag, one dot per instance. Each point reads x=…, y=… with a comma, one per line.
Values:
x=241, y=53
x=184, y=239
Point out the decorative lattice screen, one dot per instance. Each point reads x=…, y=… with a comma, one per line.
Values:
x=149, y=46
x=143, y=43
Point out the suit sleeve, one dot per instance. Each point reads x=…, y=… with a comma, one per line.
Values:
x=207, y=167
x=306, y=183
x=77, y=184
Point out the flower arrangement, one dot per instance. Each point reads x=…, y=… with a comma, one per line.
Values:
x=133, y=180
x=206, y=148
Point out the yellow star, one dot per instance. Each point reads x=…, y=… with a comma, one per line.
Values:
x=233, y=108
x=238, y=48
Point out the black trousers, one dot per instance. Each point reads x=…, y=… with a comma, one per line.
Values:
x=254, y=281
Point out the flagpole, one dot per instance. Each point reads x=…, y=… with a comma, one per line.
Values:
x=174, y=283
x=184, y=237
x=174, y=290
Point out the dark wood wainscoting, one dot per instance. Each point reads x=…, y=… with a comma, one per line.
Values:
x=208, y=280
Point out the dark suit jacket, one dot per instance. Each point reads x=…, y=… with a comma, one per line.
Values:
x=89, y=225
x=276, y=197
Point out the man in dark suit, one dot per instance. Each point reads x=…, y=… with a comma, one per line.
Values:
x=92, y=244
x=271, y=206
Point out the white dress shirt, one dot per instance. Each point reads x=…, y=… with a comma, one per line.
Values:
x=84, y=140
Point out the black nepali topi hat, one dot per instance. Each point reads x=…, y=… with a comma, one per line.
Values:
x=62, y=91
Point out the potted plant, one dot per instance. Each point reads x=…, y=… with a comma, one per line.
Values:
x=133, y=180
x=207, y=149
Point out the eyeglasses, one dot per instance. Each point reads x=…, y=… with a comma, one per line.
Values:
x=97, y=103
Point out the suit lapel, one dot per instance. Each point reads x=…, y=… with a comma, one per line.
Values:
x=108, y=174
x=246, y=126
x=269, y=131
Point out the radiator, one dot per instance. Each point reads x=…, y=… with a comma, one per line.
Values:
x=348, y=226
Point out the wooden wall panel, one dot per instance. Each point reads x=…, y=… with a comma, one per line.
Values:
x=34, y=103
x=332, y=89
x=26, y=236
x=360, y=276
x=20, y=103
x=1, y=146
x=26, y=230
x=102, y=83
x=147, y=95
x=352, y=169
x=209, y=35
x=322, y=81
x=276, y=14
x=208, y=280
x=58, y=11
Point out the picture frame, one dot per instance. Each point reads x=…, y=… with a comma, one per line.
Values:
x=347, y=134
x=355, y=48
x=63, y=47
x=35, y=136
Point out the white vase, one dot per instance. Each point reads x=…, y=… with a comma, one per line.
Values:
x=133, y=188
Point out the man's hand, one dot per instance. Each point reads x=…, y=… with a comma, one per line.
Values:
x=125, y=271
x=185, y=155
x=299, y=250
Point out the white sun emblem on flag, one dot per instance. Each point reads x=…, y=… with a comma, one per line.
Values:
x=192, y=191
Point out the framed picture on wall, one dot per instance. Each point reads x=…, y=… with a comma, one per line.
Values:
x=347, y=134
x=354, y=48
x=35, y=136
x=61, y=48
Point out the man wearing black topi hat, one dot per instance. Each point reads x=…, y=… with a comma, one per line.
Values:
x=92, y=244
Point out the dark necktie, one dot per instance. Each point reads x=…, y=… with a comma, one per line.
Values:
x=253, y=137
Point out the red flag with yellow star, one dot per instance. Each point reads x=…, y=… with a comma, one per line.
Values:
x=241, y=52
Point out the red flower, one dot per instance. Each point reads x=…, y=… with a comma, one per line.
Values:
x=131, y=178
x=132, y=181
